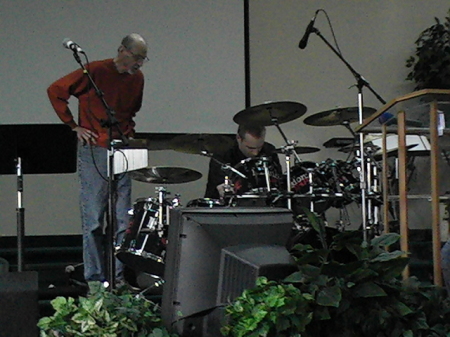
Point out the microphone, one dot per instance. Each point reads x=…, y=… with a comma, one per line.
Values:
x=69, y=44
x=304, y=41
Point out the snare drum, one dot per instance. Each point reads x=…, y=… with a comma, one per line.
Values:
x=144, y=245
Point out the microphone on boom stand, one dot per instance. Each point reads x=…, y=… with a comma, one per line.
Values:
x=304, y=41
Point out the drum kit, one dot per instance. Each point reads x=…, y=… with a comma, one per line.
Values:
x=306, y=184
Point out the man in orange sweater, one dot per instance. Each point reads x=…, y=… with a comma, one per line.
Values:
x=121, y=84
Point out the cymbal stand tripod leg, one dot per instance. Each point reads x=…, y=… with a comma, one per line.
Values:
x=311, y=189
x=20, y=216
x=288, y=180
x=267, y=176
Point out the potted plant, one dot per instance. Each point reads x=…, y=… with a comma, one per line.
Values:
x=430, y=64
x=344, y=288
x=103, y=313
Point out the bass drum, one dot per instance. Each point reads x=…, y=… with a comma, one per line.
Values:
x=143, y=248
x=318, y=192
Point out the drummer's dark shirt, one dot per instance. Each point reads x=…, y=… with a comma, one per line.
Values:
x=233, y=157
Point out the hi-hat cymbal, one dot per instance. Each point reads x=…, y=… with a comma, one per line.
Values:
x=338, y=116
x=196, y=143
x=300, y=149
x=270, y=113
x=165, y=175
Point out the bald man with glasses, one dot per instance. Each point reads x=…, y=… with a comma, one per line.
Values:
x=121, y=83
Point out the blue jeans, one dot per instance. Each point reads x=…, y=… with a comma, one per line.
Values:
x=94, y=205
x=445, y=265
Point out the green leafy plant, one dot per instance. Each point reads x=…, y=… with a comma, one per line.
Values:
x=104, y=313
x=345, y=287
x=430, y=64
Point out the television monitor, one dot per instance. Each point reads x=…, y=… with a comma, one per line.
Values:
x=210, y=251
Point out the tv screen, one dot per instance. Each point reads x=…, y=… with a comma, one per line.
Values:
x=201, y=239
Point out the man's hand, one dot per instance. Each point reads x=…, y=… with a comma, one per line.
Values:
x=221, y=190
x=86, y=136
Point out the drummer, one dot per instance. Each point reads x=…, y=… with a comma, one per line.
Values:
x=250, y=143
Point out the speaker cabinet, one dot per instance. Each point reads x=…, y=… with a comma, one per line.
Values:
x=19, y=310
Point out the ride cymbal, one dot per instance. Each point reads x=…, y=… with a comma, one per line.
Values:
x=338, y=116
x=165, y=175
x=270, y=113
x=299, y=149
x=196, y=143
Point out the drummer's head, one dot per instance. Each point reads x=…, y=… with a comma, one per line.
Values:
x=251, y=139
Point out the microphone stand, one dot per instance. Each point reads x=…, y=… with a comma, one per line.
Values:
x=110, y=122
x=360, y=83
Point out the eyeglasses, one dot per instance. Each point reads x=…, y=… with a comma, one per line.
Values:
x=137, y=57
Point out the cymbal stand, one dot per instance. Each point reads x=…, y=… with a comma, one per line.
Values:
x=266, y=174
x=227, y=168
x=288, y=179
x=161, y=207
x=289, y=144
x=288, y=149
x=373, y=203
x=360, y=83
x=311, y=188
x=20, y=216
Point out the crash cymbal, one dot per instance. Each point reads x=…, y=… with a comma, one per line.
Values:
x=196, y=143
x=165, y=175
x=269, y=113
x=299, y=149
x=338, y=116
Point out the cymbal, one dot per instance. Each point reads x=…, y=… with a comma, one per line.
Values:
x=197, y=142
x=338, y=116
x=165, y=175
x=269, y=113
x=300, y=149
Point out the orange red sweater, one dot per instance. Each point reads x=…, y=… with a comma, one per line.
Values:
x=122, y=92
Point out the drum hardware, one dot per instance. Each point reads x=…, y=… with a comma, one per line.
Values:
x=260, y=175
x=275, y=113
x=225, y=167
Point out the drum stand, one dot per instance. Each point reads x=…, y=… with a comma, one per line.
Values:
x=360, y=83
x=289, y=150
